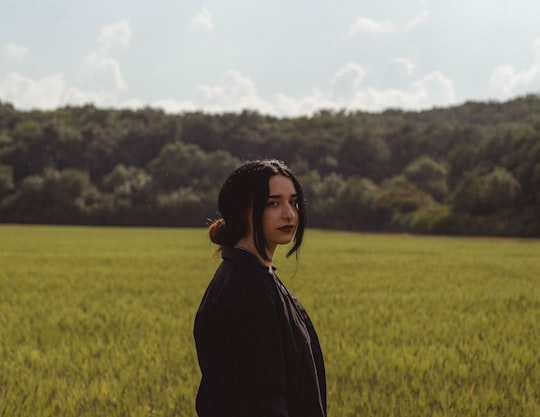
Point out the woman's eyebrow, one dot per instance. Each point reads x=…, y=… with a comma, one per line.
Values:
x=280, y=196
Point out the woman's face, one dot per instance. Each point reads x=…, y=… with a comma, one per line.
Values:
x=280, y=216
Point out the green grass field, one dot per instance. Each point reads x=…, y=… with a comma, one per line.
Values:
x=98, y=321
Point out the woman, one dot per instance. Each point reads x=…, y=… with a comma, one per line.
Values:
x=257, y=349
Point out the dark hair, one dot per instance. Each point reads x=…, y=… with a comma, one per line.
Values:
x=248, y=187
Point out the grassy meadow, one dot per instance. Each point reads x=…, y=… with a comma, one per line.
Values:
x=98, y=321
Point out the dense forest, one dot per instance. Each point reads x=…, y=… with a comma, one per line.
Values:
x=471, y=169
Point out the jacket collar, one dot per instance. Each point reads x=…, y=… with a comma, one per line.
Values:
x=241, y=258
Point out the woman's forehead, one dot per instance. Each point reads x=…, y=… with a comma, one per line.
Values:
x=279, y=185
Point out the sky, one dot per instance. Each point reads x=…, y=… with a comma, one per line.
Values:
x=281, y=57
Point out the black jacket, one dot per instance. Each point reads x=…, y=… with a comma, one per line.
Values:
x=258, y=351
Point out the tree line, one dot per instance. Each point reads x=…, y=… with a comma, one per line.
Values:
x=472, y=169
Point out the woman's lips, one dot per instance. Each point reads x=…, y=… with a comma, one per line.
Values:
x=287, y=228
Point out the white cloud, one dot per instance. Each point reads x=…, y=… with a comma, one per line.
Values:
x=436, y=87
x=101, y=76
x=16, y=52
x=407, y=66
x=202, y=20
x=356, y=70
x=536, y=45
x=507, y=79
x=234, y=92
x=292, y=106
x=100, y=70
x=50, y=92
x=103, y=72
x=433, y=89
x=364, y=24
x=418, y=19
x=77, y=97
x=27, y=93
x=232, y=86
x=118, y=33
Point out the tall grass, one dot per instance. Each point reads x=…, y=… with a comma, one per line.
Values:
x=98, y=322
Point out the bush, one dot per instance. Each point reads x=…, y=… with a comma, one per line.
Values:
x=431, y=219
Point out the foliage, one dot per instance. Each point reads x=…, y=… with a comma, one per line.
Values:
x=6, y=179
x=98, y=321
x=56, y=196
x=398, y=196
x=429, y=175
x=362, y=171
x=484, y=194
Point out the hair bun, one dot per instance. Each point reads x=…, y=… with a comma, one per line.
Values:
x=216, y=231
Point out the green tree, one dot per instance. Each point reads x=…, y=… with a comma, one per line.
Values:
x=535, y=183
x=429, y=176
x=186, y=165
x=217, y=166
x=128, y=187
x=470, y=195
x=9, y=116
x=52, y=197
x=321, y=193
x=6, y=145
x=144, y=133
x=177, y=165
x=461, y=159
x=486, y=194
x=398, y=196
x=521, y=161
x=64, y=144
x=186, y=207
x=99, y=150
x=503, y=189
x=403, y=143
x=203, y=130
x=30, y=152
x=491, y=152
x=363, y=155
x=354, y=206
x=6, y=179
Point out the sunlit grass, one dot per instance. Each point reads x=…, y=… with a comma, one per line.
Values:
x=98, y=321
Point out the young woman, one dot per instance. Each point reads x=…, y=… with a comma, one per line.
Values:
x=257, y=349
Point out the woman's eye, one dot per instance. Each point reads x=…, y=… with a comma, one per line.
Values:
x=293, y=203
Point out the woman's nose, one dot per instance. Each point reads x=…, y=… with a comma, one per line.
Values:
x=289, y=212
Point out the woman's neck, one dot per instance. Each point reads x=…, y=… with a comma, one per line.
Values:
x=246, y=243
